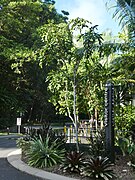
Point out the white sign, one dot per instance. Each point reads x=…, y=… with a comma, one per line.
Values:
x=18, y=121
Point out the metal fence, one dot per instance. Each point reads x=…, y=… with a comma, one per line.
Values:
x=87, y=130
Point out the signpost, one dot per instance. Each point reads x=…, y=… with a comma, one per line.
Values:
x=109, y=120
x=19, y=124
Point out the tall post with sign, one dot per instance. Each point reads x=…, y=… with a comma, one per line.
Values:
x=19, y=124
x=109, y=120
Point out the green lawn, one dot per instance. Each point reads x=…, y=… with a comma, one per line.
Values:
x=5, y=134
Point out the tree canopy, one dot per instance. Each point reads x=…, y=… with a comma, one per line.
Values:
x=49, y=64
x=22, y=80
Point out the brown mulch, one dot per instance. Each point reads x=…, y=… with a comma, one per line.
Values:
x=121, y=169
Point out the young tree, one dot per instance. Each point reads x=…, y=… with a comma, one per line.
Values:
x=66, y=81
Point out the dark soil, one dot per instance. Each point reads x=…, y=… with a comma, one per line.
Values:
x=121, y=169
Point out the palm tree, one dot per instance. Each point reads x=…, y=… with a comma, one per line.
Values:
x=125, y=13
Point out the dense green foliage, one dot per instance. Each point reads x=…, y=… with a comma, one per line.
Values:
x=126, y=121
x=23, y=81
x=24, y=145
x=44, y=153
x=48, y=68
x=49, y=65
x=126, y=145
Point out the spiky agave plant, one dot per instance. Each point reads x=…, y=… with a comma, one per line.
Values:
x=74, y=162
x=98, y=168
x=43, y=153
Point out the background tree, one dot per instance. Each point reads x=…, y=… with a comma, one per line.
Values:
x=67, y=80
x=19, y=61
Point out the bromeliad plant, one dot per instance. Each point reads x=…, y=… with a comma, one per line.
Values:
x=43, y=153
x=98, y=168
x=74, y=162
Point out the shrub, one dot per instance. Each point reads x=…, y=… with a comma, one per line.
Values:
x=43, y=132
x=98, y=168
x=43, y=153
x=24, y=144
x=47, y=131
x=126, y=145
x=97, y=144
x=125, y=122
x=74, y=162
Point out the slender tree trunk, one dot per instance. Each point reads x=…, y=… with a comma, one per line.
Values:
x=75, y=112
x=66, y=100
x=75, y=119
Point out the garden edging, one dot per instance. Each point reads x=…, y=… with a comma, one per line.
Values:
x=14, y=158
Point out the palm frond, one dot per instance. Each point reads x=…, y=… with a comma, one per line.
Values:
x=125, y=14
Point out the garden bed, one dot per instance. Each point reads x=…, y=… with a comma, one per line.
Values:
x=122, y=170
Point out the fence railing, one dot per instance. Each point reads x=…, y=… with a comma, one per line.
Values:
x=85, y=131
x=88, y=130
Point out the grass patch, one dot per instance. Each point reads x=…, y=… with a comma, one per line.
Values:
x=5, y=134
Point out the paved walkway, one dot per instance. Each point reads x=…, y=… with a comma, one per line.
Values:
x=8, y=172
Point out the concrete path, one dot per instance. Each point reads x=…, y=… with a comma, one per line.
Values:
x=8, y=172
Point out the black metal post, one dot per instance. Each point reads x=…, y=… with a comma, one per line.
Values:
x=109, y=120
